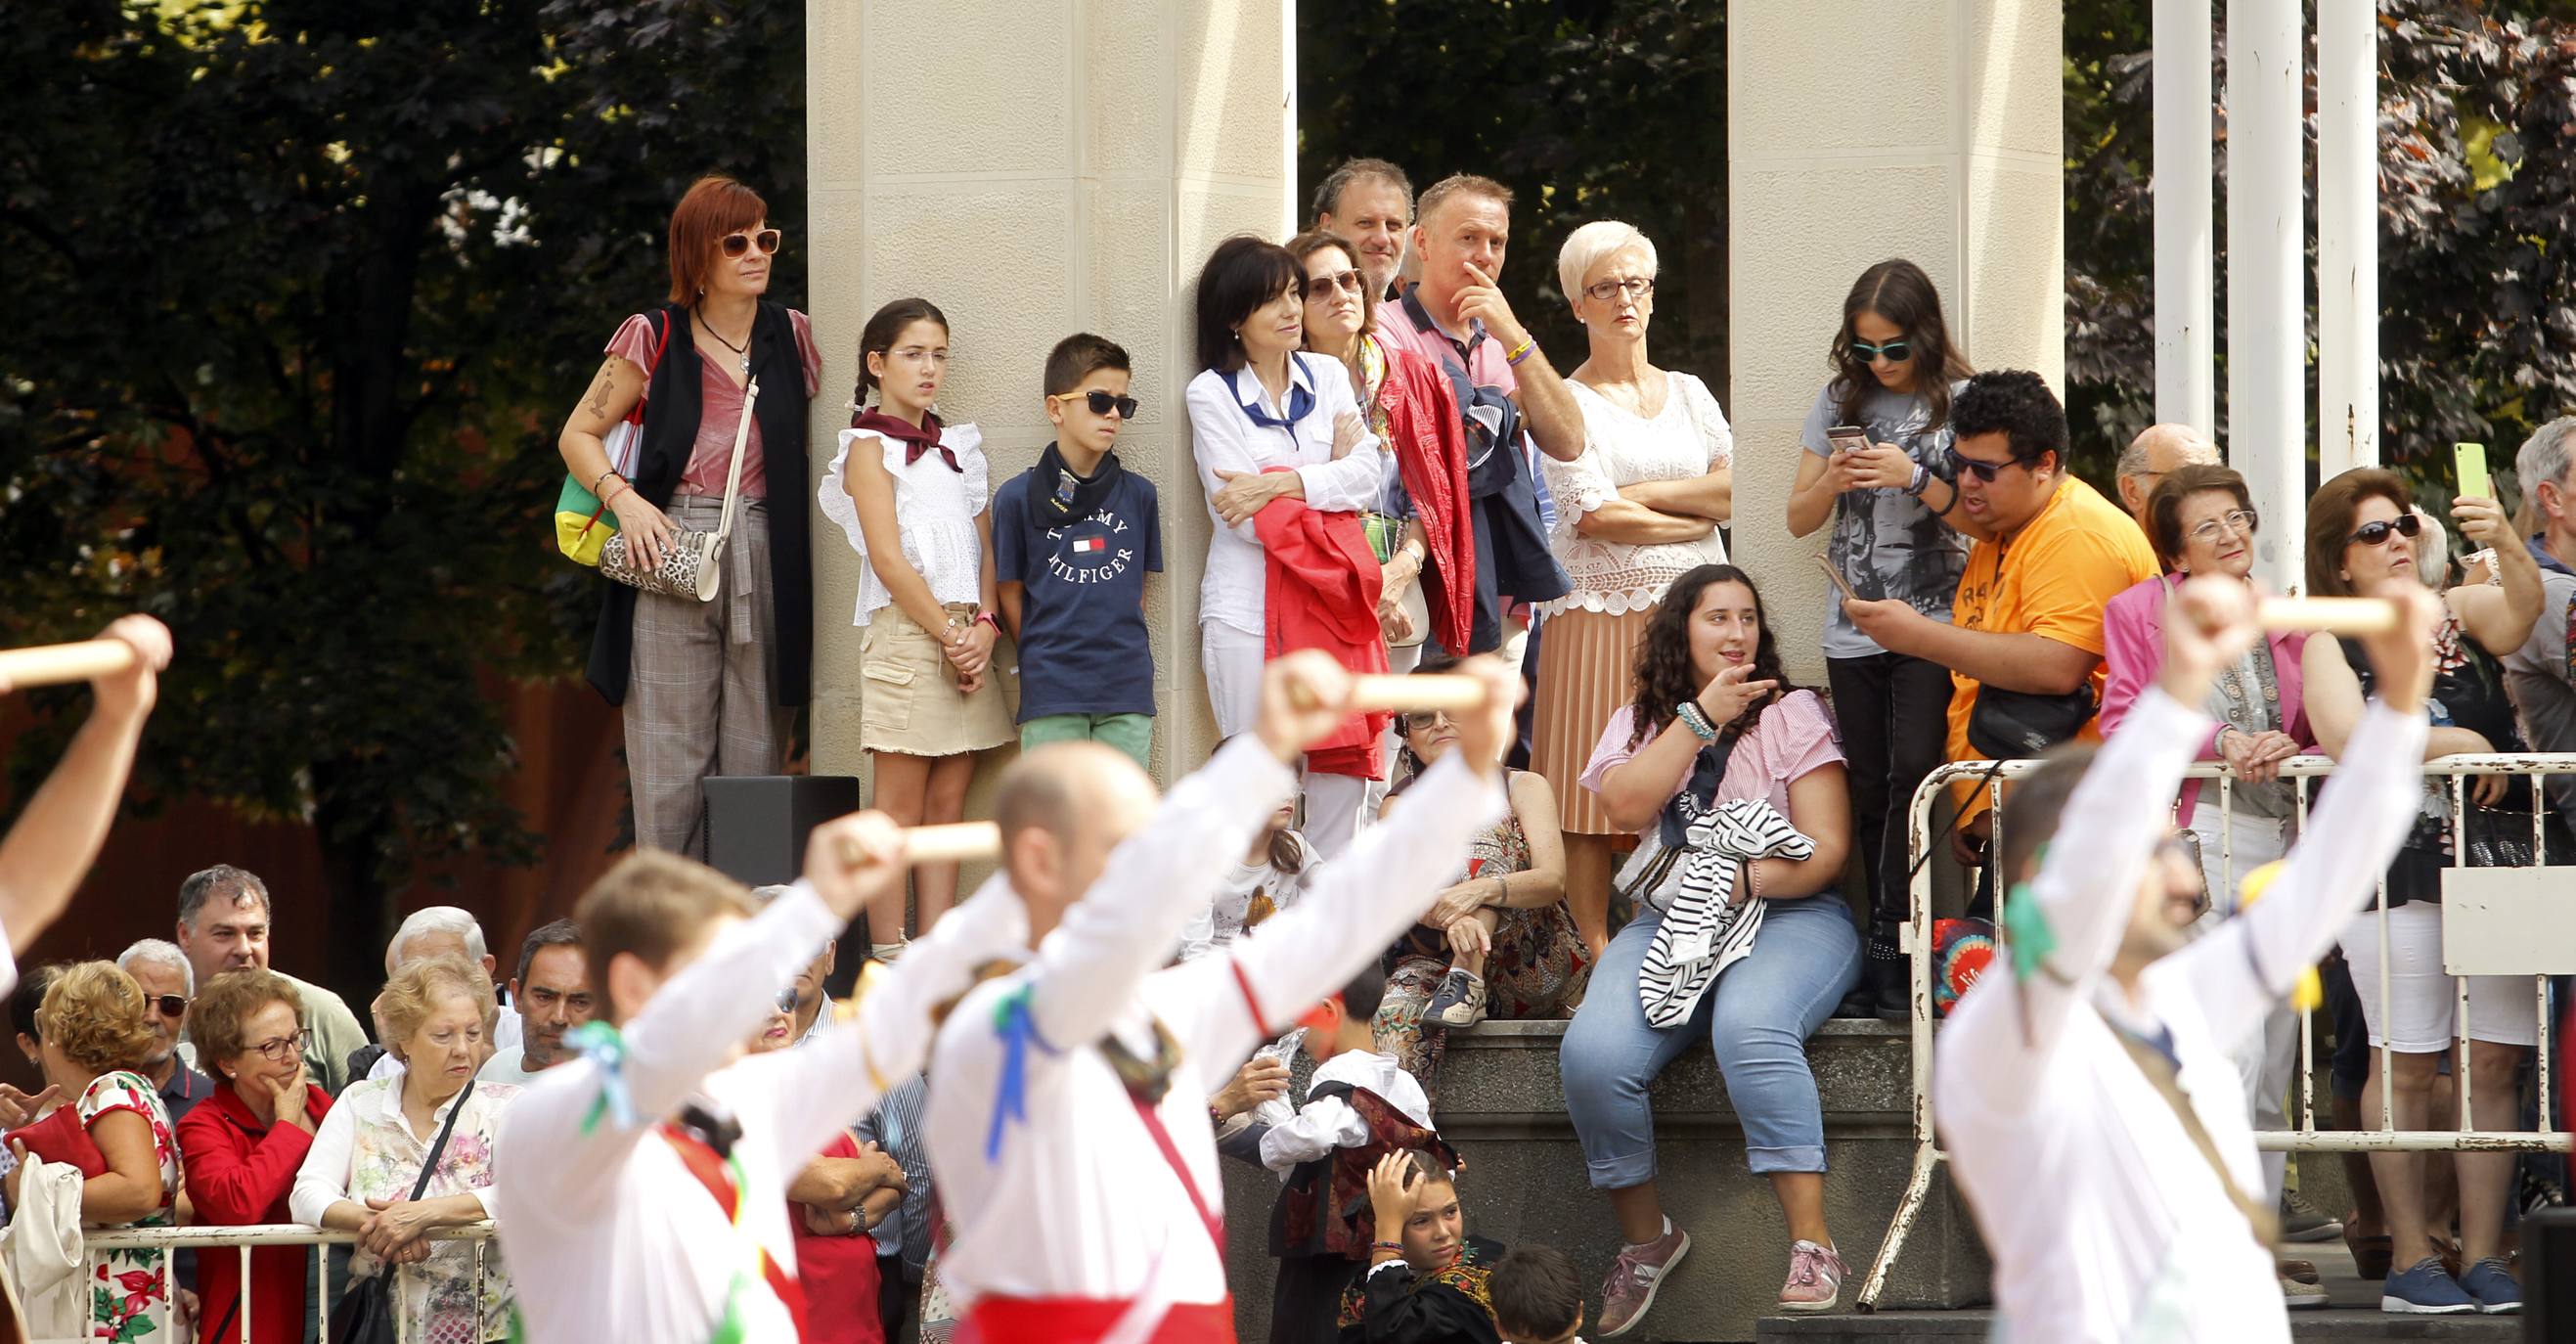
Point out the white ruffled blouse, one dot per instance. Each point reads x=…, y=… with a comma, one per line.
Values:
x=934, y=507
x=1688, y=437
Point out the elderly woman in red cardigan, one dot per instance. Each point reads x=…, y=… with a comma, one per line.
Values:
x=242, y=1146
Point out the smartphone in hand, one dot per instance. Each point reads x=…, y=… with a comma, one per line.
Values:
x=2471, y=459
x=1847, y=438
x=1837, y=576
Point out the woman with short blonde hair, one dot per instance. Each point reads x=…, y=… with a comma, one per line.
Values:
x=1640, y=508
x=95, y=1036
x=375, y=1141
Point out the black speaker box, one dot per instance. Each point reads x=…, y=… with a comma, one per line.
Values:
x=757, y=824
x=2549, y=1277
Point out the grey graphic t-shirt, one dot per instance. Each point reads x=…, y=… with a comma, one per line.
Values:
x=1886, y=542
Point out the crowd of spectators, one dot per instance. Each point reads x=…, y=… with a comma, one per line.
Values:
x=1696, y=847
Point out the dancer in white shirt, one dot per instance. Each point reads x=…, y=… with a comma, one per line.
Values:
x=2063, y=1092
x=1068, y=1112
x=641, y=1190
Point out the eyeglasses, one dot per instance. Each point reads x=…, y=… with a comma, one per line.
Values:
x=735, y=244
x=1895, y=352
x=2242, y=522
x=277, y=1049
x=1101, y=403
x=1349, y=282
x=171, y=1005
x=787, y=1000
x=1635, y=287
x=1984, y=471
x=2376, y=534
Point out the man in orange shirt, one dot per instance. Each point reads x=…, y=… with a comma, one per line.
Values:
x=2050, y=553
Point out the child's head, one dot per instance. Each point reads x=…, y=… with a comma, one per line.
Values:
x=1435, y=1228
x=903, y=355
x=1086, y=391
x=1346, y=1021
x=1537, y=1298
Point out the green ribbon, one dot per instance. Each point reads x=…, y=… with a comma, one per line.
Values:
x=2026, y=927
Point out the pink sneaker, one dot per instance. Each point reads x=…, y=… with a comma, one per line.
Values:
x=1815, y=1278
x=1629, y=1290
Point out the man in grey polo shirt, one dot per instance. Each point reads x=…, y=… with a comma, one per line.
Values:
x=2541, y=675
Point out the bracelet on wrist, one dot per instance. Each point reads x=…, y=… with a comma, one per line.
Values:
x=1921, y=482
x=623, y=488
x=1521, y=351
x=1395, y=1247
x=603, y=479
x=1690, y=716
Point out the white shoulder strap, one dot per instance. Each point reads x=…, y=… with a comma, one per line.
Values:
x=733, y=474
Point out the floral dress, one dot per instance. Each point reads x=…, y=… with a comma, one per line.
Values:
x=1536, y=971
x=128, y=1297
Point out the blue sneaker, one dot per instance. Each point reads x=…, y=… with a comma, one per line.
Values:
x=2492, y=1285
x=2425, y=1290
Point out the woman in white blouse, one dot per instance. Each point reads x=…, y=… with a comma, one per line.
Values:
x=366, y=1159
x=1638, y=509
x=1267, y=422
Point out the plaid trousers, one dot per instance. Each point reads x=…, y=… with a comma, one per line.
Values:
x=700, y=700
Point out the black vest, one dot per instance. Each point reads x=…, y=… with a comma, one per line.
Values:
x=670, y=432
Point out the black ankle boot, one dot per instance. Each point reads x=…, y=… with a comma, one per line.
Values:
x=1885, y=976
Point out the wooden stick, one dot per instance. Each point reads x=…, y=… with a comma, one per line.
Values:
x=1430, y=690
x=951, y=843
x=2327, y=615
x=55, y=664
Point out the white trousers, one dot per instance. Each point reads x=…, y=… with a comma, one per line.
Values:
x=2267, y=1059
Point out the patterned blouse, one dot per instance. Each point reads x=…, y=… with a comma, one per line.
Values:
x=126, y=1286
x=366, y=1149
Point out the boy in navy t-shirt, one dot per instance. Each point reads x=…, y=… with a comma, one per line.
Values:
x=1073, y=538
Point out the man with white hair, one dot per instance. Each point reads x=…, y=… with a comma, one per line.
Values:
x=446, y=931
x=224, y=916
x=2541, y=675
x=168, y=982
x=2159, y=449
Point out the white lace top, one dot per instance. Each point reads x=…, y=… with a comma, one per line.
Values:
x=935, y=508
x=1688, y=437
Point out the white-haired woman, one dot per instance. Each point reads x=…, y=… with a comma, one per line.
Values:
x=1638, y=509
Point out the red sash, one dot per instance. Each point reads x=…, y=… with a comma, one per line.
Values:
x=710, y=1171
x=1076, y=1320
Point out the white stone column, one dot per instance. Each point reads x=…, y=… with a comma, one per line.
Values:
x=1930, y=131
x=2347, y=238
x=1037, y=169
x=2267, y=338
x=2186, y=328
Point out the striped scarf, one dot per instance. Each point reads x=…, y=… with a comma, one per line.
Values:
x=1706, y=930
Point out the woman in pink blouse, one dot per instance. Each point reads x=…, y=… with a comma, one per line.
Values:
x=1715, y=720
x=708, y=687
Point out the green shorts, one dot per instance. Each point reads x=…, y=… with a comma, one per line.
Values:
x=1130, y=733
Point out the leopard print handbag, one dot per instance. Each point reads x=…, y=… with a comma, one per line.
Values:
x=693, y=564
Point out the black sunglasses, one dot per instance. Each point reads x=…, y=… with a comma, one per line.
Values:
x=735, y=244
x=1101, y=402
x=1895, y=352
x=2376, y=534
x=1984, y=471
x=171, y=1005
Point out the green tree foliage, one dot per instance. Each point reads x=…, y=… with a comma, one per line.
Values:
x=1586, y=109
x=2477, y=182
x=306, y=289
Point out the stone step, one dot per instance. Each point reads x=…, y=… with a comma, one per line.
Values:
x=2344, y=1325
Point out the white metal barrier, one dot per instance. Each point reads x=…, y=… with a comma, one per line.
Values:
x=2539, y=960
x=240, y=1240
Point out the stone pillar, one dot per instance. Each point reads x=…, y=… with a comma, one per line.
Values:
x=1037, y=170
x=1930, y=131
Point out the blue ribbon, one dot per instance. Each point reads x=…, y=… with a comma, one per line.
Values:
x=601, y=1044
x=1012, y=1022
x=1301, y=403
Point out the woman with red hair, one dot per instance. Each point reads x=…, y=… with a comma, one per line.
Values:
x=708, y=687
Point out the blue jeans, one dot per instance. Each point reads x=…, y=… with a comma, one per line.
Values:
x=1758, y=1016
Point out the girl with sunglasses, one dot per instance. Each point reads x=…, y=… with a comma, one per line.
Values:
x=708, y=687
x=1897, y=533
x=914, y=495
x=2363, y=536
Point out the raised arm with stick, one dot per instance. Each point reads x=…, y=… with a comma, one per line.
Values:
x=55, y=840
